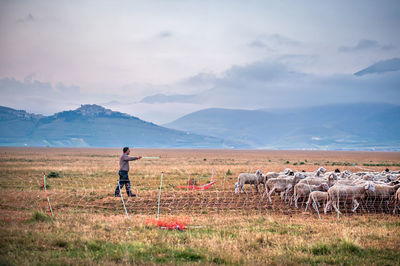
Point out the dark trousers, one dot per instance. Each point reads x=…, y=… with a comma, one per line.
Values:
x=123, y=181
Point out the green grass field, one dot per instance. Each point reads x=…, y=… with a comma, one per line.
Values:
x=90, y=226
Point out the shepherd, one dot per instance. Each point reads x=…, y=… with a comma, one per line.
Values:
x=123, y=173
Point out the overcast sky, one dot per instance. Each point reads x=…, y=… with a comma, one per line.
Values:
x=56, y=55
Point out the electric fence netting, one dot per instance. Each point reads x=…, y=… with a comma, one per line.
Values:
x=173, y=196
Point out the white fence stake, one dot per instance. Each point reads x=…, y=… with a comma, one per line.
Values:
x=45, y=191
x=122, y=198
x=159, y=196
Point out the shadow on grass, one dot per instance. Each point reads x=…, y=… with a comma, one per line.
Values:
x=345, y=252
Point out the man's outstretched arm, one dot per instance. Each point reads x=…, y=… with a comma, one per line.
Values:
x=127, y=158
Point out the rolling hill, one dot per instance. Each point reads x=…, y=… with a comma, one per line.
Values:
x=94, y=126
x=339, y=126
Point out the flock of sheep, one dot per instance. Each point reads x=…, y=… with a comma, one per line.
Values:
x=328, y=188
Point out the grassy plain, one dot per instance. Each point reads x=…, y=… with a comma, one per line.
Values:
x=90, y=227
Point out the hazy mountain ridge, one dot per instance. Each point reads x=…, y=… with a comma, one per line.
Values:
x=342, y=126
x=162, y=98
x=94, y=126
x=381, y=67
x=364, y=126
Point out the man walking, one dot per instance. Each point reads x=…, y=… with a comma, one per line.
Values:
x=123, y=172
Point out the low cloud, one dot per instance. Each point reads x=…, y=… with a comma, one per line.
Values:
x=266, y=84
x=261, y=84
x=39, y=97
x=28, y=18
x=164, y=34
x=365, y=44
x=273, y=41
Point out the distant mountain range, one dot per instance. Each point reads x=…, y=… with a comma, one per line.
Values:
x=340, y=126
x=94, y=126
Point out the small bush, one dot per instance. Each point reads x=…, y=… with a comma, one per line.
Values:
x=205, y=159
x=40, y=217
x=229, y=172
x=349, y=247
x=295, y=164
x=301, y=163
x=320, y=249
x=54, y=174
x=287, y=162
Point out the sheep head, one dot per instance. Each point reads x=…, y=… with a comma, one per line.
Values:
x=236, y=188
x=325, y=186
x=322, y=170
x=287, y=171
x=346, y=172
x=297, y=177
x=333, y=176
x=370, y=186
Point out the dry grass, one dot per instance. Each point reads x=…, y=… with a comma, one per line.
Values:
x=90, y=227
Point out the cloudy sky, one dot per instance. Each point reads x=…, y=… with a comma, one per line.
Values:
x=57, y=55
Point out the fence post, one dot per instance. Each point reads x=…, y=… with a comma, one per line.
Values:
x=159, y=196
x=122, y=198
x=45, y=191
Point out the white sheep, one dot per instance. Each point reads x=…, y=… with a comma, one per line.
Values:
x=302, y=190
x=345, y=192
x=312, y=180
x=248, y=178
x=316, y=197
x=270, y=175
x=281, y=184
x=383, y=193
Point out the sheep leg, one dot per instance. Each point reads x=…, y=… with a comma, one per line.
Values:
x=296, y=199
x=335, y=207
x=286, y=194
x=269, y=195
x=315, y=207
x=327, y=206
x=307, y=204
x=304, y=201
x=282, y=195
x=356, y=204
x=265, y=193
x=387, y=205
x=242, y=189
